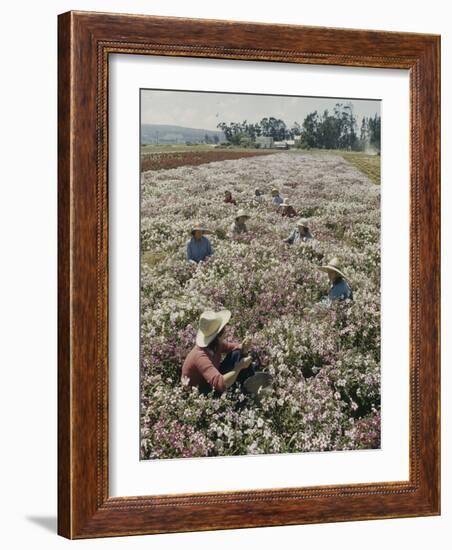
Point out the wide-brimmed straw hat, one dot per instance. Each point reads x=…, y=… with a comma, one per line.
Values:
x=333, y=265
x=257, y=381
x=286, y=202
x=241, y=214
x=198, y=226
x=303, y=222
x=210, y=324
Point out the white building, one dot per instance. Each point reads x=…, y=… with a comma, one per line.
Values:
x=280, y=145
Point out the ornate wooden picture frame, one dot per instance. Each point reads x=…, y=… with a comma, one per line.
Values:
x=86, y=40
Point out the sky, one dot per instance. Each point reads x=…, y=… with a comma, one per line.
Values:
x=205, y=110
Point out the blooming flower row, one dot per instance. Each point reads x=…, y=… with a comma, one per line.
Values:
x=325, y=361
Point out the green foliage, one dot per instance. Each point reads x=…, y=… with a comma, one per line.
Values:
x=336, y=130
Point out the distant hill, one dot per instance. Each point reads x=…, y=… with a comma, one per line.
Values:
x=167, y=133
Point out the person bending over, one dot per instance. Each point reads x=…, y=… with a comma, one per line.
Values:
x=300, y=234
x=287, y=210
x=228, y=198
x=239, y=225
x=204, y=367
x=276, y=197
x=340, y=288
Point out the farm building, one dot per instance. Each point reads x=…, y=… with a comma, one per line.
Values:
x=280, y=145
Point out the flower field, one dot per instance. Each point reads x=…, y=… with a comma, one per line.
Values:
x=325, y=360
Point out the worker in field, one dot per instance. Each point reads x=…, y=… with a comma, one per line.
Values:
x=276, y=197
x=258, y=197
x=198, y=247
x=286, y=209
x=300, y=233
x=239, y=225
x=204, y=367
x=228, y=198
x=340, y=289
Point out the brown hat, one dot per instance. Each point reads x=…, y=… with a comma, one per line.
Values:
x=210, y=324
x=333, y=266
x=198, y=227
x=275, y=191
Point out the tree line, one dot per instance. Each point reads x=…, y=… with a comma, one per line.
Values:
x=328, y=130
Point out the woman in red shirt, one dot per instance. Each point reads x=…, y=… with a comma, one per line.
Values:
x=203, y=366
x=287, y=210
x=228, y=198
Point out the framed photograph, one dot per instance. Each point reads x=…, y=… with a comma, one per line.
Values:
x=248, y=275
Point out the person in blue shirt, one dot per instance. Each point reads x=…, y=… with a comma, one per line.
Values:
x=340, y=288
x=300, y=234
x=277, y=199
x=198, y=247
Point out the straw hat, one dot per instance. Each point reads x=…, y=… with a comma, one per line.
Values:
x=257, y=381
x=198, y=227
x=241, y=214
x=334, y=266
x=286, y=202
x=275, y=191
x=303, y=223
x=210, y=324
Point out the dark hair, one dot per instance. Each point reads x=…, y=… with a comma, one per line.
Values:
x=213, y=346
